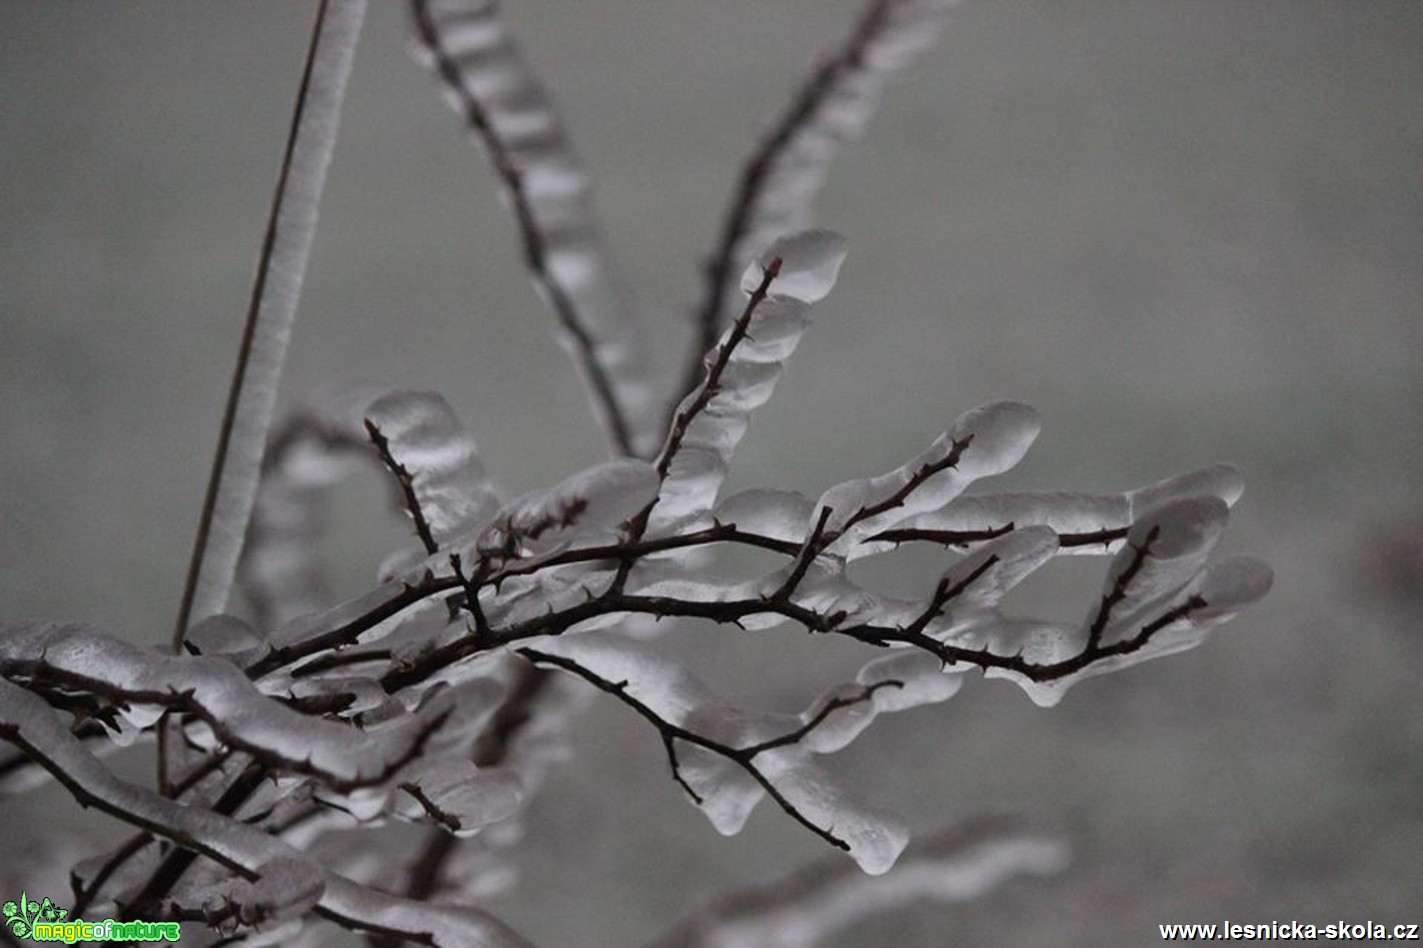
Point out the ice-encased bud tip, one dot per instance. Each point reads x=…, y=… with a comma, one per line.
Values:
x=1002, y=433
x=1232, y=584
x=810, y=262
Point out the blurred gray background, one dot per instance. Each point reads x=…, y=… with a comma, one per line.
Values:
x=1187, y=232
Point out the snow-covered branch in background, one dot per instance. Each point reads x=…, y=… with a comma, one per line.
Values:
x=780, y=180
x=549, y=193
x=280, y=573
x=823, y=899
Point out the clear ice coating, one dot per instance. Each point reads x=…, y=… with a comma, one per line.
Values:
x=809, y=264
x=982, y=442
x=343, y=735
x=449, y=480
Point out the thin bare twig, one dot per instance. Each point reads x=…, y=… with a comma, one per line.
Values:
x=828, y=895
x=1118, y=592
x=743, y=757
x=963, y=538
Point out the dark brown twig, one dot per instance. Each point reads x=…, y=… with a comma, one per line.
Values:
x=1118, y=592
x=405, y=481
x=711, y=384
x=959, y=539
x=744, y=757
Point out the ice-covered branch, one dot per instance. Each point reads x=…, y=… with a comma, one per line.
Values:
x=975, y=633
x=406, y=483
x=436, y=466
x=440, y=697
x=780, y=180
x=1084, y=523
x=487, y=79
x=1179, y=599
x=826, y=897
x=78, y=659
x=29, y=723
x=281, y=268
x=316, y=446
x=741, y=374
x=587, y=505
x=492, y=748
x=442, y=480
x=981, y=443
x=542, y=577
x=722, y=747
x=89, y=878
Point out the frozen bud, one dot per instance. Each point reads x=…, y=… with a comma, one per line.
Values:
x=810, y=262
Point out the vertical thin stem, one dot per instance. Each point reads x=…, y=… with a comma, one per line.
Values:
x=280, y=269
x=271, y=312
